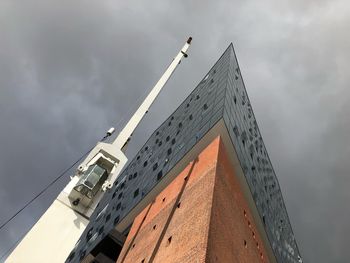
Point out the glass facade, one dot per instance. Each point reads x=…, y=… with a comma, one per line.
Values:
x=221, y=95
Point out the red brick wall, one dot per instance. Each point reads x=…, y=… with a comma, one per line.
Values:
x=233, y=236
x=199, y=217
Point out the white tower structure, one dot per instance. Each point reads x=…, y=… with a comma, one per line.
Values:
x=52, y=238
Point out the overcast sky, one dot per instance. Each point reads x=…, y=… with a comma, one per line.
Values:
x=71, y=69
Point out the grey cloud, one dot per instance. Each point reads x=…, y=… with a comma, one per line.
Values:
x=70, y=70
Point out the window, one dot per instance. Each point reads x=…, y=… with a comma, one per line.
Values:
x=155, y=166
x=136, y=193
x=159, y=175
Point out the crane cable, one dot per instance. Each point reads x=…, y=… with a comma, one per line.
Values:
x=63, y=173
x=41, y=192
x=49, y=185
x=70, y=167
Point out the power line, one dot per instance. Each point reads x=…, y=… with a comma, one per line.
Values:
x=57, y=178
x=50, y=184
x=41, y=192
x=60, y=175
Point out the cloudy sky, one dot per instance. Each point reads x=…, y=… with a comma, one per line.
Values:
x=71, y=69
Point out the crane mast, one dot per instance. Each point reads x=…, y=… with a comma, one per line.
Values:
x=60, y=227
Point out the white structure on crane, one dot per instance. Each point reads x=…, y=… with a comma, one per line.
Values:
x=52, y=238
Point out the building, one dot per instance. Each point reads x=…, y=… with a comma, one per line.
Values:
x=201, y=189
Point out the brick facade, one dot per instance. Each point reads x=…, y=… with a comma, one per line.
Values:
x=202, y=216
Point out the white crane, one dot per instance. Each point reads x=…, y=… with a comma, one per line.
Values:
x=53, y=237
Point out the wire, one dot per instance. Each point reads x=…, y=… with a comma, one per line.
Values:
x=60, y=176
x=49, y=185
x=40, y=193
x=65, y=171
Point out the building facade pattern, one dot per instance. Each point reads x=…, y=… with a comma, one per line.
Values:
x=221, y=94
